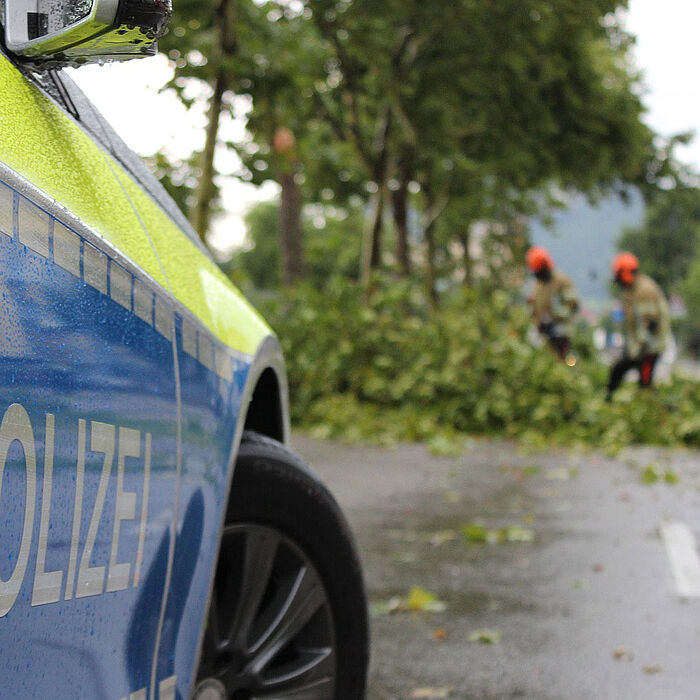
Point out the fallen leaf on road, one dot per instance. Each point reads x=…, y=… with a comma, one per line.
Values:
x=518, y=534
x=597, y=568
x=452, y=497
x=483, y=535
x=442, y=536
x=440, y=633
x=559, y=474
x=670, y=477
x=652, y=668
x=435, y=693
x=385, y=607
x=417, y=600
x=478, y=533
x=623, y=653
x=651, y=474
x=420, y=600
x=485, y=636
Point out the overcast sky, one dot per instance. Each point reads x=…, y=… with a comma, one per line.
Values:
x=667, y=52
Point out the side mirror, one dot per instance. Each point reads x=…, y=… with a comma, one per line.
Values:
x=73, y=32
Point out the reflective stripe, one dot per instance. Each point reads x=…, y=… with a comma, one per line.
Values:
x=6, y=207
x=66, y=249
x=95, y=268
x=164, y=318
x=205, y=352
x=189, y=339
x=120, y=285
x=33, y=228
x=143, y=301
x=45, y=146
x=101, y=271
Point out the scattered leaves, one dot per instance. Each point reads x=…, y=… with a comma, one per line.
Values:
x=417, y=600
x=623, y=653
x=477, y=533
x=670, y=477
x=652, y=473
x=482, y=535
x=432, y=693
x=485, y=636
x=518, y=534
x=421, y=600
x=441, y=537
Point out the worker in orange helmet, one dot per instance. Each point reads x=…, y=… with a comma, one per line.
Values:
x=647, y=322
x=554, y=302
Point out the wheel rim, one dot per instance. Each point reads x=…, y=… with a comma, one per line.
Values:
x=270, y=631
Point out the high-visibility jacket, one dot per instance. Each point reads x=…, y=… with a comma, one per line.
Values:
x=555, y=300
x=647, y=320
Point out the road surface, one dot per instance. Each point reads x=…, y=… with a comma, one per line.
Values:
x=602, y=604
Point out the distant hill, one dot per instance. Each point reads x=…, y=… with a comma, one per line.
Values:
x=583, y=240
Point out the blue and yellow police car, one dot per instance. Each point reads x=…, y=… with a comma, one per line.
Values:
x=158, y=540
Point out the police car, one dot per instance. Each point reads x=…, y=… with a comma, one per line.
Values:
x=158, y=540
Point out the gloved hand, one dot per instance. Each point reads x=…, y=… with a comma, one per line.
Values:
x=546, y=327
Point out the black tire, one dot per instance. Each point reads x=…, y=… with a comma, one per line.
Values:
x=278, y=501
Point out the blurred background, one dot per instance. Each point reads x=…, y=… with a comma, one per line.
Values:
x=372, y=174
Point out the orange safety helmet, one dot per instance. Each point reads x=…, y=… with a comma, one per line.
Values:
x=625, y=266
x=539, y=259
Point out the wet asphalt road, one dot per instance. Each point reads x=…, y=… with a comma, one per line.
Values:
x=587, y=611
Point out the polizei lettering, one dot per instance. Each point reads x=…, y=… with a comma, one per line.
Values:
x=113, y=451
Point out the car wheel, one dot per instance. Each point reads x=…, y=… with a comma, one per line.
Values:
x=288, y=613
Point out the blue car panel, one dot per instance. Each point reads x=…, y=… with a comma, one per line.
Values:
x=118, y=417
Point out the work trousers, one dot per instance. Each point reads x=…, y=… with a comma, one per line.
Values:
x=560, y=344
x=645, y=364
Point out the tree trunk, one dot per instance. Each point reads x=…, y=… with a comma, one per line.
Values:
x=400, y=206
x=372, y=241
x=293, y=267
x=467, y=263
x=372, y=244
x=200, y=216
x=430, y=264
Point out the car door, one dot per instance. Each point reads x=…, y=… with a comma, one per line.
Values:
x=124, y=361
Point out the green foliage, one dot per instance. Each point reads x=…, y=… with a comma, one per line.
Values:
x=331, y=236
x=386, y=371
x=669, y=239
x=488, y=106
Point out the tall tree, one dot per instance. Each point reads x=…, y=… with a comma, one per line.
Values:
x=479, y=105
